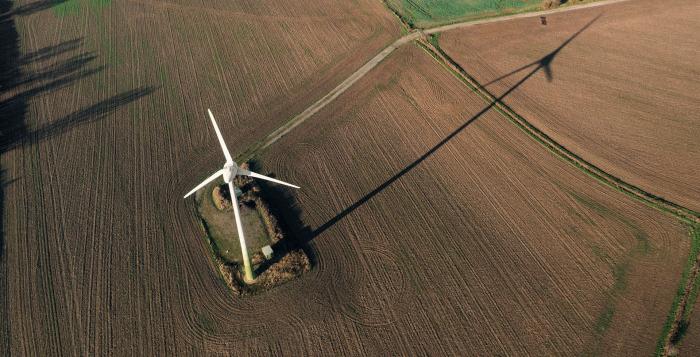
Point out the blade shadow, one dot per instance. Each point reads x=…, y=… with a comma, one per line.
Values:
x=543, y=63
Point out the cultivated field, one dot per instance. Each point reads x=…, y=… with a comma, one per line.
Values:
x=480, y=241
x=432, y=233
x=101, y=133
x=623, y=94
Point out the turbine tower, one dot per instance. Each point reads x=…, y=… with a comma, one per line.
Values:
x=229, y=172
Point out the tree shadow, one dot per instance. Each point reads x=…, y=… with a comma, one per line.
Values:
x=544, y=63
x=51, y=51
x=18, y=87
x=27, y=9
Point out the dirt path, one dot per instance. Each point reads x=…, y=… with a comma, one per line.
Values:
x=518, y=16
x=679, y=211
x=328, y=98
x=362, y=71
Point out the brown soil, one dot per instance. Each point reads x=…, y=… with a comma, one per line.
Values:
x=622, y=94
x=107, y=129
x=483, y=247
x=523, y=252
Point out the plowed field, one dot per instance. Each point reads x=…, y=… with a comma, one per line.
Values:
x=433, y=231
x=471, y=238
x=624, y=95
x=103, y=117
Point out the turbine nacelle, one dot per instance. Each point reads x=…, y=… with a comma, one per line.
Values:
x=230, y=171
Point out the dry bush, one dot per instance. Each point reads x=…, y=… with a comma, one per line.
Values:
x=289, y=267
x=229, y=275
x=220, y=201
x=550, y=4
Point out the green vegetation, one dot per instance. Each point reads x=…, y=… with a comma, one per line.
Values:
x=74, y=7
x=680, y=293
x=427, y=13
x=683, y=214
x=206, y=322
x=221, y=228
x=618, y=268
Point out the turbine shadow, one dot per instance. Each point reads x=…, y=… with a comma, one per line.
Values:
x=543, y=63
x=283, y=205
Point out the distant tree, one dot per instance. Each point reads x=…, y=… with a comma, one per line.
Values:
x=550, y=4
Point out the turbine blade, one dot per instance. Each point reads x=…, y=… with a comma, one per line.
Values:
x=221, y=138
x=205, y=182
x=239, y=226
x=257, y=175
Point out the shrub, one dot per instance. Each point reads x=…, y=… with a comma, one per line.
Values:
x=550, y=4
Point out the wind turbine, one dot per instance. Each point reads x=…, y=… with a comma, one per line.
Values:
x=229, y=172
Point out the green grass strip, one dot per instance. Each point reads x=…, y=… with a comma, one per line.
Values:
x=684, y=214
x=680, y=293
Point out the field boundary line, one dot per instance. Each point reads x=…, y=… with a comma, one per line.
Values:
x=685, y=214
x=682, y=307
x=689, y=285
x=414, y=34
x=457, y=25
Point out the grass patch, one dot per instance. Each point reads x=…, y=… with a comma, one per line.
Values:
x=618, y=269
x=432, y=13
x=427, y=13
x=75, y=7
x=206, y=322
x=221, y=227
x=680, y=294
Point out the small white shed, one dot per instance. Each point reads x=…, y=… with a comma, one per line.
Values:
x=267, y=251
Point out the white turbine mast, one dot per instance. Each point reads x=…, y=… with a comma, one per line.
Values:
x=229, y=172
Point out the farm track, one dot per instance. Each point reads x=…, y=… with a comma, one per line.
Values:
x=256, y=148
x=490, y=202
x=116, y=267
x=679, y=211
